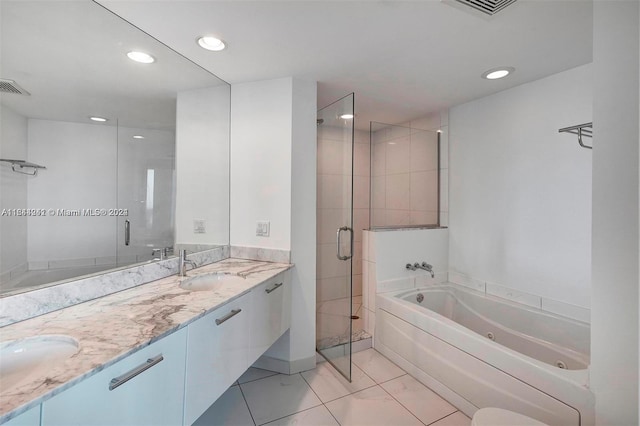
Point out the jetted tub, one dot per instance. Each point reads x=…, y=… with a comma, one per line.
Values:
x=481, y=351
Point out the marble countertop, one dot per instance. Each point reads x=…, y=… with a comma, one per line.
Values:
x=112, y=327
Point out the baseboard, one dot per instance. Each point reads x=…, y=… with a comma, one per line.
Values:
x=285, y=367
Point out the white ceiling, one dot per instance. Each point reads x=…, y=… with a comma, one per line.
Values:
x=403, y=59
x=71, y=57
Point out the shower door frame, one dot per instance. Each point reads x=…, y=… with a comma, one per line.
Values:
x=344, y=368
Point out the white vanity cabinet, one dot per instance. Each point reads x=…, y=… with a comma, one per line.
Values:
x=28, y=418
x=153, y=396
x=217, y=349
x=271, y=315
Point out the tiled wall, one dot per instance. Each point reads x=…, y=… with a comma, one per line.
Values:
x=404, y=188
x=333, y=175
x=404, y=165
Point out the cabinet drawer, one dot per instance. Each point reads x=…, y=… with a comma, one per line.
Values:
x=217, y=346
x=271, y=315
x=119, y=396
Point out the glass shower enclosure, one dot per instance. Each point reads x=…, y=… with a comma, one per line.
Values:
x=335, y=233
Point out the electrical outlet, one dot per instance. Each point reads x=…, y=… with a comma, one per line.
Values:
x=199, y=226
x=262, y=228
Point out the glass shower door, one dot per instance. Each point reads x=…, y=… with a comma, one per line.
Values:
x=146, y=194
x=335, y=233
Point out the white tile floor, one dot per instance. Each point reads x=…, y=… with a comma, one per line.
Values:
x=380, y=393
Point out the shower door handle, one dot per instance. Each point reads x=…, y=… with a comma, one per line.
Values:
x=127, y=232
x=338, y=242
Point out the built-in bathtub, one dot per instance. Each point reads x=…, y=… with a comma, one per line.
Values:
x=479, y=351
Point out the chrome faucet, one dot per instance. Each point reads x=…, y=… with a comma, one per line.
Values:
x=164, y=252
x=182, y=263
x=426, y=267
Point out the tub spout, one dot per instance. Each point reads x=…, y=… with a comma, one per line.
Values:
x=426, y=267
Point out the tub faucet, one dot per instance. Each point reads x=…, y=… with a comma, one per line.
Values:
x=182, y=263
x=426, y=267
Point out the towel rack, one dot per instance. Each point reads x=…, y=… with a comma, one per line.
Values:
x=581, y=130
x=18, y=165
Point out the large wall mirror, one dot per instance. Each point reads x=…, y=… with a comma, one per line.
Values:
x=80, y=196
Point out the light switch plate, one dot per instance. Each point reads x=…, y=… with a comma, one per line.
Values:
x=199, y=226
x=262, y=228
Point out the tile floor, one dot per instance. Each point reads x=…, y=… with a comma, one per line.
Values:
x=380, y=393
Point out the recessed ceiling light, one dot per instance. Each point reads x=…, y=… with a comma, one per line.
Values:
x=211, y=43
x=496, y=73
x=98, y=119
x=138, y=137
x=141, y=57
x=347, y=116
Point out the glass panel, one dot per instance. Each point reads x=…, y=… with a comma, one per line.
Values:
x=146, y=195
x=335, y=233
x=404, y=176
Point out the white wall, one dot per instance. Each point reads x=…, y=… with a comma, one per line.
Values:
x=520, y=192
x=261, y=132
x=273, y=158
x=614, y=313
x=13, y=186
x=303, y=219
x=202, y=165
x=81, y=173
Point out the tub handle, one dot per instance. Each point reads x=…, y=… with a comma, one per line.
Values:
x=338, y=238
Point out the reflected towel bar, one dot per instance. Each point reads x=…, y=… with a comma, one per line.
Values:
x=18, y=165
x=581, y=130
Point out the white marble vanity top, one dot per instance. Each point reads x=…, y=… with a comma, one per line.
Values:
x=114, y=326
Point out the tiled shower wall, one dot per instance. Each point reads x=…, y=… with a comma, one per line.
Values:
x=405, y=172
x=333, y=175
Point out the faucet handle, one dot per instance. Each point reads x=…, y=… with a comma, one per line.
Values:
x=410, y=267
x=426, y=265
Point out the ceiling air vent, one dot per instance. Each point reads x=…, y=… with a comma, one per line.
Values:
x=10, y=86
x=490, y=7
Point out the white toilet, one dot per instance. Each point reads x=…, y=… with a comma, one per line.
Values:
x=500, y=417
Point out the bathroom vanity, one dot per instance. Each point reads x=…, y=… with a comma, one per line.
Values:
x=154, y=354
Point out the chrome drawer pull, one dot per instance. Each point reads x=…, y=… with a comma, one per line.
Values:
x=269, y=290
x=120, y=380
x=233, y=312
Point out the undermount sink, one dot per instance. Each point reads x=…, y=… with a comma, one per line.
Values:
x=23, y=359
x=210, y=282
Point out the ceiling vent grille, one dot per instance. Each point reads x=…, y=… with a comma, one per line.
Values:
x=490, y=7
x=10, y=86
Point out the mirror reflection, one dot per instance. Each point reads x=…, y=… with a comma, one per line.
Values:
x=99, y=150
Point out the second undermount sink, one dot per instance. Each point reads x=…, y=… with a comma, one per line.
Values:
x=210, y=282
x=23, y=359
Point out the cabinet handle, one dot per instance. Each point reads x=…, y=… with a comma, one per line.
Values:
x=120, y=380
x=233, y=313
x=269, y=290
